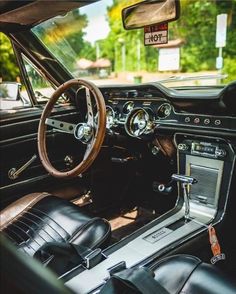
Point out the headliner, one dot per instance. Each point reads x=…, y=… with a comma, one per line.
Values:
x=22, y=14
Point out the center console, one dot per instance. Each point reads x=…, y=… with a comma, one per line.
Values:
x=208, y=160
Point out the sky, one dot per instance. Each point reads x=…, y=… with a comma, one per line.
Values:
x=97, y=28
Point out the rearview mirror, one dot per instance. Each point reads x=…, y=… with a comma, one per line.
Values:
x=9, y=91
x=151, y=12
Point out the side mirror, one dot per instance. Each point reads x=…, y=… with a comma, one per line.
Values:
x=10, y=91
x=151, y=12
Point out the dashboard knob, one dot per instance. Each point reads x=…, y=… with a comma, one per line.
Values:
x=183, y=147
x=155, y=150
x=220, y=153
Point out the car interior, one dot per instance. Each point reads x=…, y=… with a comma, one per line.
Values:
x=113, y=188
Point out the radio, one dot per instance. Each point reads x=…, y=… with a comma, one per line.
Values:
x=212, y=150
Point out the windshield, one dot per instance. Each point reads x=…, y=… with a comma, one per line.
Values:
x=92, y=43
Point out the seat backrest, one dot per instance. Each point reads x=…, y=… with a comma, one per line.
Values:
x=21, y=273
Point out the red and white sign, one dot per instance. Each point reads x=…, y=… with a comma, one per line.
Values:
x=156, y=34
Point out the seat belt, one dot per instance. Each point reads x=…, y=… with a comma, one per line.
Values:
x=133, y=281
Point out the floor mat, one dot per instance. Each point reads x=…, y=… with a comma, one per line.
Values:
x=128, y=223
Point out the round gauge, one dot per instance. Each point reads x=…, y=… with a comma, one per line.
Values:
x=164, y=110
x=128, y=107
x=139, y=122
x=110, y=117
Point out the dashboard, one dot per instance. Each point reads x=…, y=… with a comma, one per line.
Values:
x=140, y=110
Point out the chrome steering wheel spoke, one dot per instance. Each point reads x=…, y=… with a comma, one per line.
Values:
x=90, y=119
x=60, y=126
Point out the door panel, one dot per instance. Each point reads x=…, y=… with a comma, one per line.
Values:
x=18, y=145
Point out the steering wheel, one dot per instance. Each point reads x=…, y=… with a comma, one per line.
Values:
x=88, y=133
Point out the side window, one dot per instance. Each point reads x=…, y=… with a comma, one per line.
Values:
x=43, y=90
x=41, y=87
x=13, y=94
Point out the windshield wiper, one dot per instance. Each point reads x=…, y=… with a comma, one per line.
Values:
x=193, y=78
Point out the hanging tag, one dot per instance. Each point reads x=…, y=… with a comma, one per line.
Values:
x=215, y=246
x=156, y=34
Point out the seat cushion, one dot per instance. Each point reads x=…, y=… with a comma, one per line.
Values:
x=187, y=274
x=33, y=221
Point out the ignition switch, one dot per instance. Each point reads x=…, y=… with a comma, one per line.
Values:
x=155, y=150
x=69, y=161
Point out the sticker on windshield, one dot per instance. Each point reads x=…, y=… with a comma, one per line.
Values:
x=156, y=34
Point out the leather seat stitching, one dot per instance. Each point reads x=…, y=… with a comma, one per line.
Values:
x=39, y=227
x=10, y=232
x=19, y=237
x=27, y=234
x=30, y=228
x=48, y=225
x=43, y=213
x=34, y=201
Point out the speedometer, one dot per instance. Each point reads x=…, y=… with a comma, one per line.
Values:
x=139, y=122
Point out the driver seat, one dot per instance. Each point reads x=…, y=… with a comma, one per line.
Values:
x=40, y=218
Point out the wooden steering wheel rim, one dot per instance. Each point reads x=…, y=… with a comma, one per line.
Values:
x=97, y=138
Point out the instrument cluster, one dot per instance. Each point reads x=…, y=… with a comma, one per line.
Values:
x=139, y=111
x=138, y=118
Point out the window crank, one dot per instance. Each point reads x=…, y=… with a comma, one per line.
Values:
x=14, y=173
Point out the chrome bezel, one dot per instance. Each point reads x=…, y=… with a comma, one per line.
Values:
x=165, y=115
x=147, y=129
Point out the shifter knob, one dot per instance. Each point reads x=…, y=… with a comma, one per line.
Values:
x=185, y=182
x=184, y=179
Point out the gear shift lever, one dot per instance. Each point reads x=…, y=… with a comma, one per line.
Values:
x=185, y=181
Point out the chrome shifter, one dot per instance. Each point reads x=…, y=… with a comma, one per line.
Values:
x=185, y=181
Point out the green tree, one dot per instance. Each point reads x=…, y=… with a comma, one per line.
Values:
x=196, y=27
x=9, y=70
x=65, y=38
x=229, y=52
x=118, y=37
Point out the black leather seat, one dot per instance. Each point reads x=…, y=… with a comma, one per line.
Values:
x=39, y=218
x=189, y=275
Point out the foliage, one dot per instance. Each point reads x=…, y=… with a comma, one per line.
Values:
x=137, y=56
x=197, y=28
x=229, y=69
x=65, y=37
x=8, y=69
